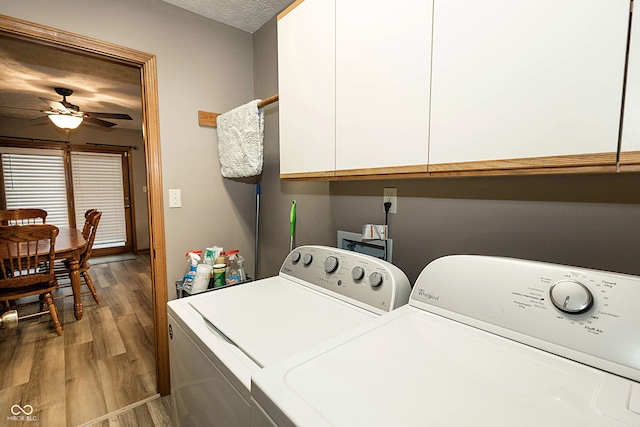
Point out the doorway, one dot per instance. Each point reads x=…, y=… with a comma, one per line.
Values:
x=146, y=63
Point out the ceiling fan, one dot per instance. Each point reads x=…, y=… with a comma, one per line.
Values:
x=66, y=115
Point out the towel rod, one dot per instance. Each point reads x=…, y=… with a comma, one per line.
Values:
x=206, y=118
x=269, y=100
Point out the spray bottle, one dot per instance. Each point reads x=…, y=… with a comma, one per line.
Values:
x=194, y=259
x=209, y=256
x=241, y=271
x=233, y=275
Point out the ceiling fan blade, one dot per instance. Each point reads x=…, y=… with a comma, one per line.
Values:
x=40, y=119
x=20, y=108
x=117, y=116
x=57, y=106
x=98, y=122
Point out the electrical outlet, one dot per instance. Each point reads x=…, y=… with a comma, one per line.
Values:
x=174, y=199
x=390, y=194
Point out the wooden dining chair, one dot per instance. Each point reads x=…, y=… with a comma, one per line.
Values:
x=93, y=219
x=26, y=253
x=23, y=216
x=86, y=229
x=62, y=271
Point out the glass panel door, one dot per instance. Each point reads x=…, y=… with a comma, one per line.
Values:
x=98, y=184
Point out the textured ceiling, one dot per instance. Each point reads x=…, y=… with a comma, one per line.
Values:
x=247, y=15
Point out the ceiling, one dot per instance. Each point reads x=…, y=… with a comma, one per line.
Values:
x=246, y=15
x=29, y=71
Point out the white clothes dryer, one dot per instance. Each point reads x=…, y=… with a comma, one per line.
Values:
x=218, y=340
x=484, y=341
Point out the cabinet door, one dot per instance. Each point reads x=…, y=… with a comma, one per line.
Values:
x=631, y=123
x=527, y=78
x=306, y=80
x=383, y=55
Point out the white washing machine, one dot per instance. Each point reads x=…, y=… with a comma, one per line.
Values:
x=218, y=340
x=484, y=341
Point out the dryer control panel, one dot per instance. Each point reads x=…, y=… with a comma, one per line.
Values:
x=359, y=279
x=590, y=316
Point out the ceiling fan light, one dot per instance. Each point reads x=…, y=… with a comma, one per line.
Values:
x=65, y=121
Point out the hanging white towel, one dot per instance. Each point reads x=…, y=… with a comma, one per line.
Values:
x=240, y=140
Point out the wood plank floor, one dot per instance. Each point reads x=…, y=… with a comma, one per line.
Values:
x=155, y=412
x=100, y=364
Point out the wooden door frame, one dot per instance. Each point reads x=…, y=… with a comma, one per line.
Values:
x=151, y=134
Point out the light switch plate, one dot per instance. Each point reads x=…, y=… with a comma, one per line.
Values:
x=174, y=199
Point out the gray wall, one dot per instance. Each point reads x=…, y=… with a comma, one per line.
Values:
x=22, y=128
x=314, y=215
x=202, y=65
x=584, y=220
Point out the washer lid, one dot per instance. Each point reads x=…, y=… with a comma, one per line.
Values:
x=416, y=368
x=274, y=318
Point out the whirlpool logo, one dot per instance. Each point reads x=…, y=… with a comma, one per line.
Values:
x=427, y=296
x=21, y=413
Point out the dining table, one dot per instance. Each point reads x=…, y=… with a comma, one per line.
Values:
x=69, y=246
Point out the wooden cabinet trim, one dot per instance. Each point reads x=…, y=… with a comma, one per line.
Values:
x=289, y=9
x=576, y=164
x=322, y=175
x=391, y=170
x=524, y=164
x=630, y=158
x=528, y=171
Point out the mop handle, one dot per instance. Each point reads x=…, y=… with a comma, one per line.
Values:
x=292, y=223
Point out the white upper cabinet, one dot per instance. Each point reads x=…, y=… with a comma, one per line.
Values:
x=631, y=124
x=432, y=87
x=527, y=78
x=383, y=60
x=306, y=80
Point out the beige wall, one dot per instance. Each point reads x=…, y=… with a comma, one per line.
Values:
x=202, y=65
x=584, y=220
x=23, y=128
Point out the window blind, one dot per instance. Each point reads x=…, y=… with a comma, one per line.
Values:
x=37, y=181
x=98, y=184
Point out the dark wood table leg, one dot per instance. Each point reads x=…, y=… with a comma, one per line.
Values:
x=74, y=275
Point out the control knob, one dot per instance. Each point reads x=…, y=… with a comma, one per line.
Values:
x=295, y=257
x=375, y=279
x=307, y=259
x=570, y=296
x=330, y=264
x=357, y=273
